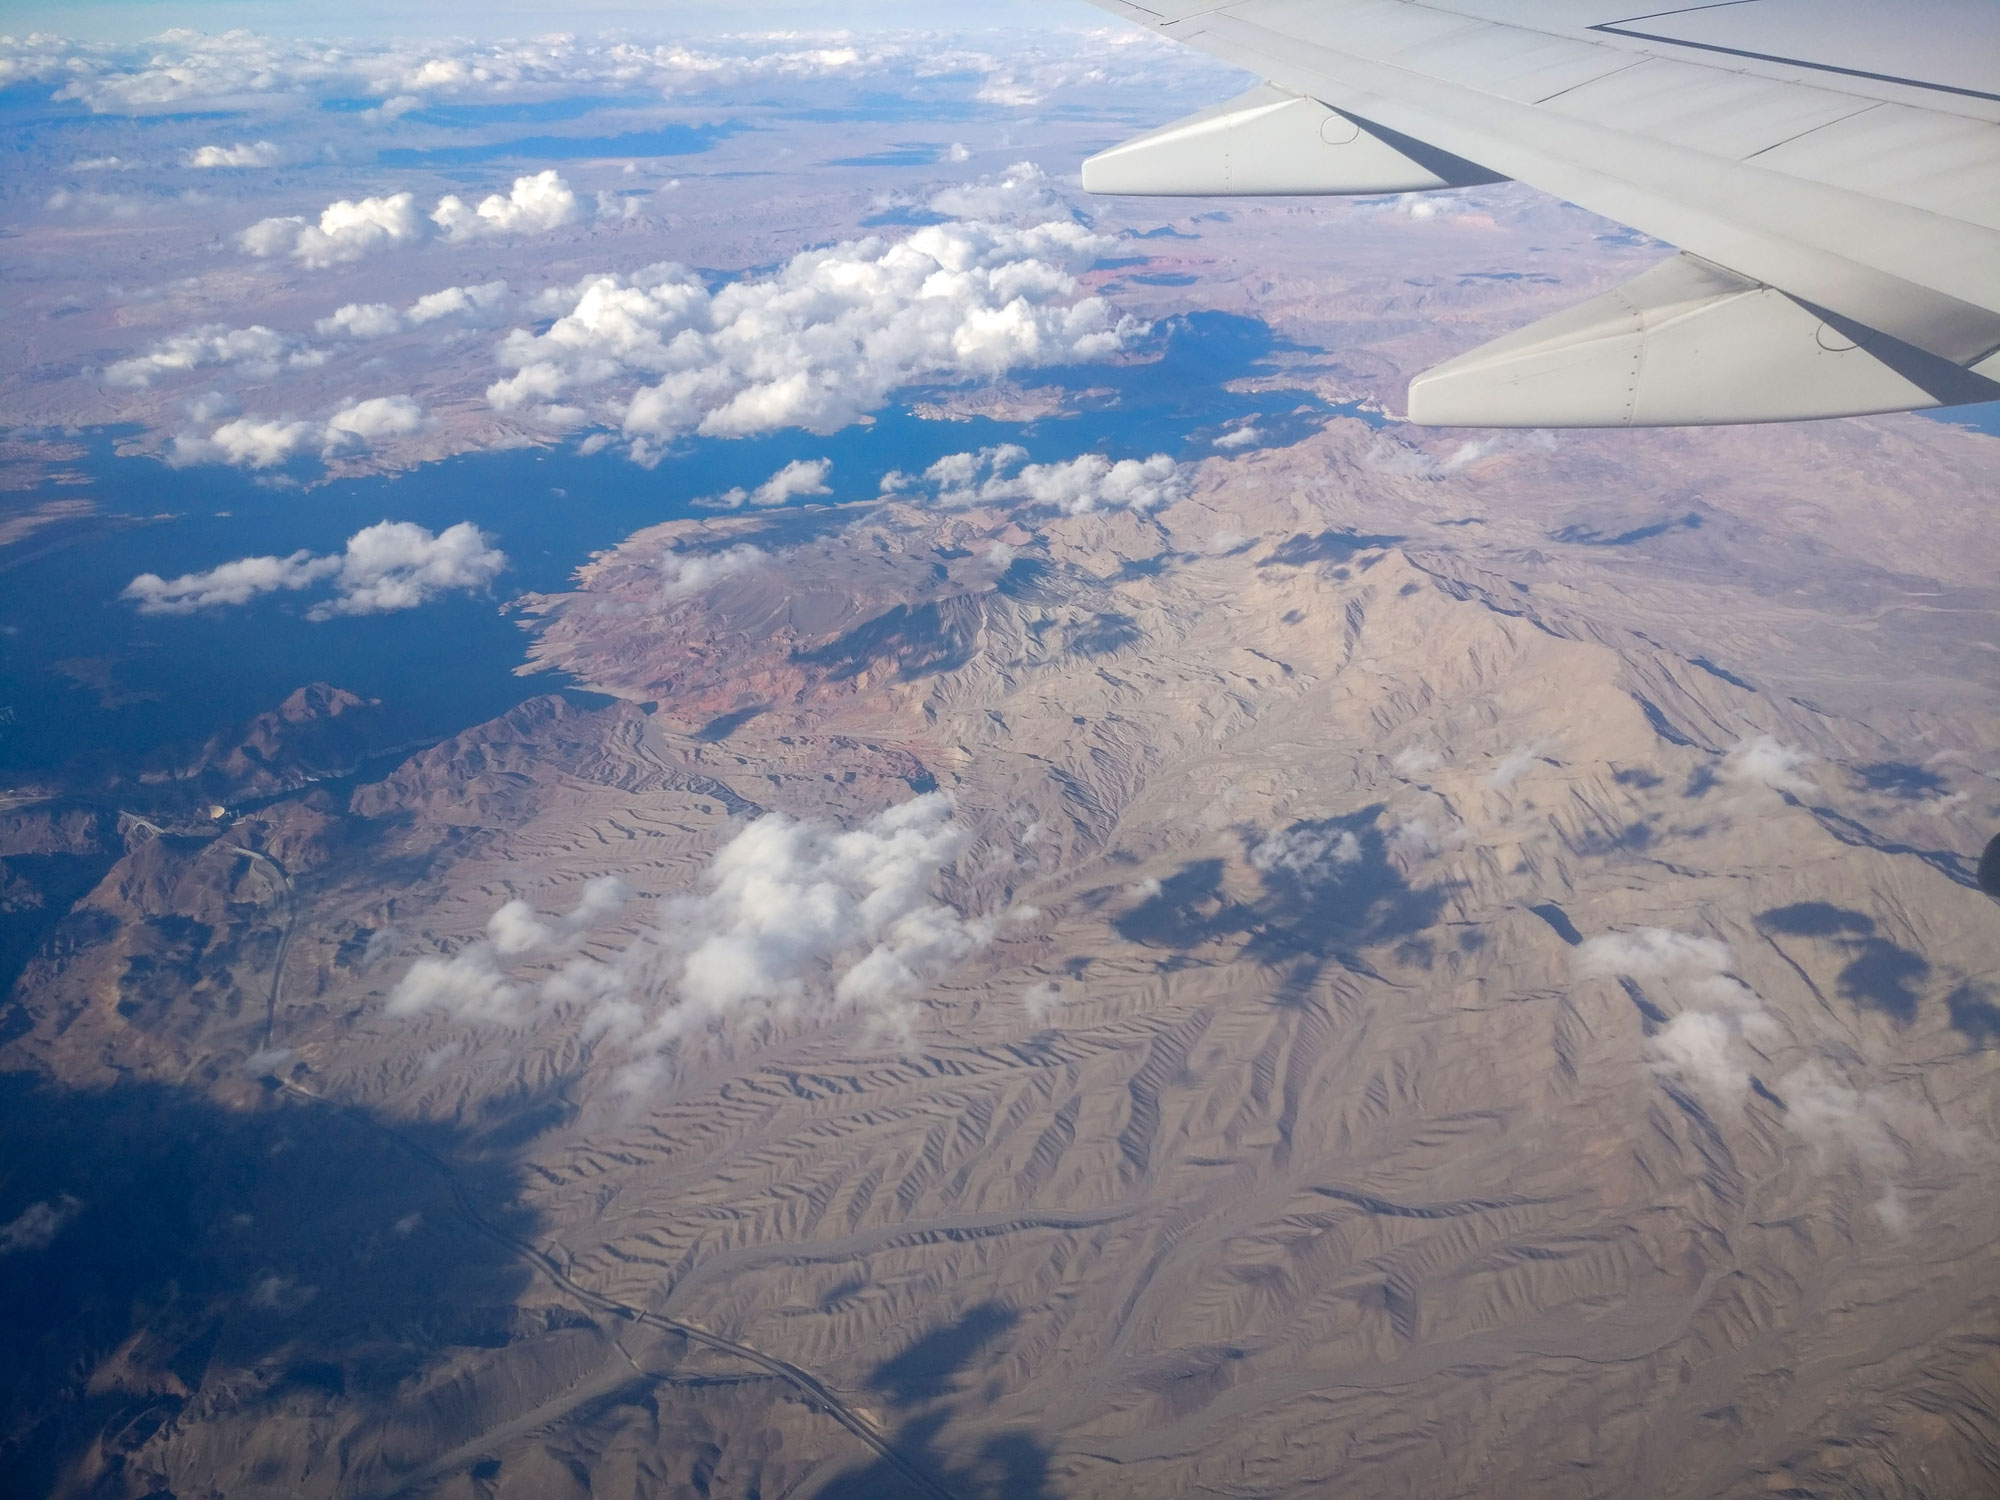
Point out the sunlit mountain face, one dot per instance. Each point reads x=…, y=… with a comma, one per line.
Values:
x=705, y=789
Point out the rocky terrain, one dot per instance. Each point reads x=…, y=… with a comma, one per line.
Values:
x=1419, y=968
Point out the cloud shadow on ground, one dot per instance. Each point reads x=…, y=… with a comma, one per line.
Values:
x=1309, y=912
x=928, y=1385
x=1881, y=975
x=296, y=1248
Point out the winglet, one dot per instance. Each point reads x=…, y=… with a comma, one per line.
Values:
x=1687, y=344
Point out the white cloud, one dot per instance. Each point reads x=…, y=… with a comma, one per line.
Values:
x=1703, y=1045
x=395, y=565
x=257, y=351
x=209, y=406
x=263, y=443
x=1720, y=1014
x=1512, y=765
x=346, y=231
x=802, y=477
x=473, y=985
x=392, y=565
x=1700, y=1046
x=1000, y=476
x=235, y=582
x=1416, y=760
x=374, y=320
x=376, y=418
x=683, y=574
x=1313, y=856
x=247, y=154
x=1653, y=953
x=1420, y=836
x=249, y=443
x=1022, y=191
x=361, y=320
x=37, y=1225
x=822, y=341
x=1834, y=1115
x=1040, y=1000
x=1723, y=1032
x=87, y=203
x=184, y=69
x=1766, y=763
x=1238, y=437
x=534, y=205
x=470, y=302
x=791, y=918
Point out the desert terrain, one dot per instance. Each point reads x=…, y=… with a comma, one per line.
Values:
x=1419, y=968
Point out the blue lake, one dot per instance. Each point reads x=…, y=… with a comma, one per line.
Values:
x=83, y=676
x=662, y=140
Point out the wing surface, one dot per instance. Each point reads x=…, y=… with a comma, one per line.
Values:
x=1830, y=169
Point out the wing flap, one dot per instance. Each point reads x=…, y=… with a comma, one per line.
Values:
x=1687, y=344
x=1730, y=115
x=1527, y=67
x=1270, y=142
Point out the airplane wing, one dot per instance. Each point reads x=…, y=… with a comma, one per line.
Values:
x=1829, y=169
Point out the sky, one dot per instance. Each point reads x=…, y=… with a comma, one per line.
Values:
x=127, y=20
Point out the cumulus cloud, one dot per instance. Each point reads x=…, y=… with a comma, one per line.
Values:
x=346, y=231
x=235, y=582
x=792, y=918
x=374, y=320
x=1416, y=760
x=264, y=442
x=185, y=69
x=1833, y=1114
x=534, y=205
x=1238, y=437
x=1040, y=1000
x=1513, y=765
x=1413, y=836
x=1311, y=855
x=1722, y=1032
x=474, y=303
x=256, y=351
x=800, y=478
x=248, y=154
x=392, y=565
x=1659, y=953
x=1021, y=192
x=819, y=343
x=361, y=320
x=1765, y=763
x=1718, y=1011
x=473, y=983
x=249, y=443
x=37, y=1225
x=683, y=574
x=1002, y=476
x=378, y=417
